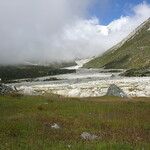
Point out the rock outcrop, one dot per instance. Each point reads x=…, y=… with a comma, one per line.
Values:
x=4, y=90
x=114, y=90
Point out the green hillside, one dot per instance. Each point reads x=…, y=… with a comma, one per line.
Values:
x=133, y=52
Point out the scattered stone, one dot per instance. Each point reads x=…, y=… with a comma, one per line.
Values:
x=69, y=146
x=43, y=92
x=14, y=88
x=112, y=76
x=55, y=126
x=45, y=103
x=4, y=90
x=88, y=136
x=29, y=91
x=114, y=90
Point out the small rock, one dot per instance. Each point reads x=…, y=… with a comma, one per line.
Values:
x=55, y=126
x=43, y=92
x=112, y=76
x=88, y=136
x=28, y=91
x=69, y=146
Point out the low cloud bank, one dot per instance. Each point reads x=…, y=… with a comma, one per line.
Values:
x=47, y=31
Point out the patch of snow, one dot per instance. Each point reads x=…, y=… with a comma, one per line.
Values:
x=82, y=75
x=74, y=92
x=27, y=90
x=79, y=63
x=87, y=84
x=133, y=87
x=130, y=36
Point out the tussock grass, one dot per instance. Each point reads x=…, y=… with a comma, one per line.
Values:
x=25, y=123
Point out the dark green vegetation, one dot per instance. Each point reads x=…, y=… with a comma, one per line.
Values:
x=62, y=64
x=120, y=124
x=137, y=73
x=134, y=53
x=8, y=73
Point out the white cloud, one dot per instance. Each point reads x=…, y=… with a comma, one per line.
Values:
x=27, y=27
x=88, y=38
x=56, y=30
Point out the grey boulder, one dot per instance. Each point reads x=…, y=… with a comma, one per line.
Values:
x=114, y=90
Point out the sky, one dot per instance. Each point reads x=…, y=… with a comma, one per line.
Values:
x=112, y=9
x=46, y=31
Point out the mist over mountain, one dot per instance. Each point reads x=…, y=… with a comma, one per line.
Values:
x=59, y=30
x=132, y=52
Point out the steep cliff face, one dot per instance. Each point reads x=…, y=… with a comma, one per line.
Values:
x=132, y=52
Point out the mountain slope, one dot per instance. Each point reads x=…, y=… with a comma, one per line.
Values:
x=132, y=52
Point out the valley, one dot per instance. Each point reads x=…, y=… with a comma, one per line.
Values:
x=74, y=75
x=86, y=83
x=126, y=65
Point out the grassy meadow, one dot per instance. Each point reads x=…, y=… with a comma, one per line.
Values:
x=120, y=124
